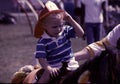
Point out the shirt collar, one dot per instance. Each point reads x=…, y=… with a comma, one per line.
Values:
x=45, y=35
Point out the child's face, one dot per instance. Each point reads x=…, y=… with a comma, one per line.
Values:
x=54, y=25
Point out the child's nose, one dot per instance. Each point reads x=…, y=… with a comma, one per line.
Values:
x=59, y=28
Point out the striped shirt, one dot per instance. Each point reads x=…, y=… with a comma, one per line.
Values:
x=56, y=50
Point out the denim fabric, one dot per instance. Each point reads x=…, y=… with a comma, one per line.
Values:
x=69, y=7
x=92, y=31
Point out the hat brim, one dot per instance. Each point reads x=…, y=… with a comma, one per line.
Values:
x=39, y=30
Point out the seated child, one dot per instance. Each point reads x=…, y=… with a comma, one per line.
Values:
x=54, y=44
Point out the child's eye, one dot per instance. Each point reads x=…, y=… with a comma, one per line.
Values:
x=61, y=25
x=55, y=26
x=58, y=26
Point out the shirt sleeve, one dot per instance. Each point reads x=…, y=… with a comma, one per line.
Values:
x=96, y=48
x=82, y=1
x=70, y=32
x=104, y=0
x=40, y=50
x=114, y=35
x=78, y=3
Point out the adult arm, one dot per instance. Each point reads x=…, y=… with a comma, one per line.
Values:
x=96, y=48
x=82, y=55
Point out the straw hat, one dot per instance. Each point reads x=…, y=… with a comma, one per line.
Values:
x=49, y=8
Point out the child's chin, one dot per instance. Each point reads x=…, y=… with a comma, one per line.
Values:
x=56, y=36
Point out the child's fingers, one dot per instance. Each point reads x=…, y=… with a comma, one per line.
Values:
x=54, y=73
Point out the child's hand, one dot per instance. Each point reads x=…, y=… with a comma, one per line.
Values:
x=54, y=72
x=67, y=17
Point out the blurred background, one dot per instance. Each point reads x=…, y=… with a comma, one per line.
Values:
x=17, y=43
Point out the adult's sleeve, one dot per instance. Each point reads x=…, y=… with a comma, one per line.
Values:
x=114, y=35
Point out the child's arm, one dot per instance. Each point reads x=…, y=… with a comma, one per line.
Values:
x=43, y=63
x=78, y=29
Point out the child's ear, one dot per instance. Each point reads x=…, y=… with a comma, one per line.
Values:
x=44, y=22
x=44, y=25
